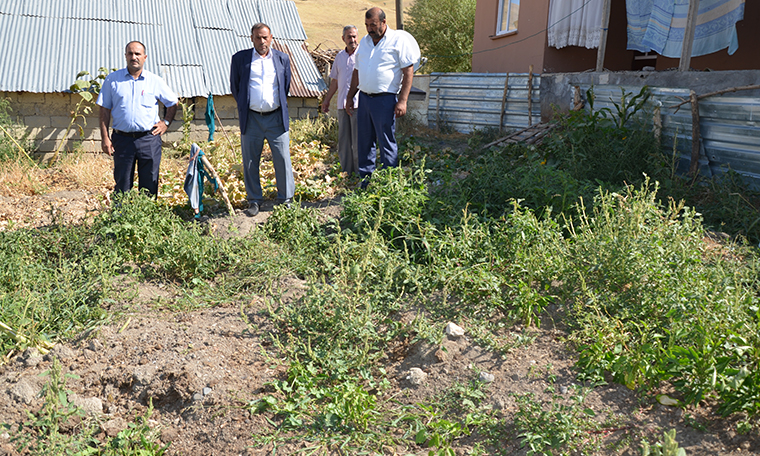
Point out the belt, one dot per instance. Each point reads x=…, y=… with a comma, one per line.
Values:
x=380, y=94
x=133, y=134
x=266, y=113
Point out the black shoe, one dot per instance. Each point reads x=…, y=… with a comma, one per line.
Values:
x=253, y=209
x=365, y=183
x=288, y=203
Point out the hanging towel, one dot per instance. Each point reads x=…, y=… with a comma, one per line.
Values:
x=210, y=117
x=194, y=180
x=575, y=23
x=658, y=25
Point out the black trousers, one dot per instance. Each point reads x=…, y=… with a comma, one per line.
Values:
x=142, y=153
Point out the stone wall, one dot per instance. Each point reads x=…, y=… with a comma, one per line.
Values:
x=46, y=118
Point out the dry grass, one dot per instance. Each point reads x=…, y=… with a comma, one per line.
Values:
x=323, y=20
x=74, y=171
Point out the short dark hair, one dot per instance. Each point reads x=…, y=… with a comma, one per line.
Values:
x=259, y=26
x=133, y=42
x=380, y=15
x=348, y=27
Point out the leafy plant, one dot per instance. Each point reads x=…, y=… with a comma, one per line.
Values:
x=88, y=91
x=668, y=446
x=564, y=426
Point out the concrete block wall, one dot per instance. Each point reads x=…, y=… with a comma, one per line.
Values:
x=45, y=119
x=415, y=107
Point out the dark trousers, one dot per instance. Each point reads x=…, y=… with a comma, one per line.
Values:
x=377, y=125
x=142, y=153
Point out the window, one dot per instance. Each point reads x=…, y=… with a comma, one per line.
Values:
x=507, y=17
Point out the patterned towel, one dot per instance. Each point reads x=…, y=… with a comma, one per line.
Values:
x=658, y=25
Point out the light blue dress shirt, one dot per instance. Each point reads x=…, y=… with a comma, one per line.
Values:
x=134, y=102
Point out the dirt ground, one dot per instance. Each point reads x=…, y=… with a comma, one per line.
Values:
x=202, y=367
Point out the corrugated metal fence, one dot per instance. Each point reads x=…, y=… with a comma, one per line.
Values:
x=728, y=124
x=730, y=137
x=468, y=101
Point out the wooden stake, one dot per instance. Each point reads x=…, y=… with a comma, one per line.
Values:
x=503, y=103
x=695, y=136
x=603, y=38
x=530, y=95
x=211, y=169
x=438, y=109
x=688, y=36
x=657, y=124
x=577, y=102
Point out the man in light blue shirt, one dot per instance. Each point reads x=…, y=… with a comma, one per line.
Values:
x=130, y=97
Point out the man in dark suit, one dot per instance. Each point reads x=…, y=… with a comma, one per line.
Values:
x=260, y=82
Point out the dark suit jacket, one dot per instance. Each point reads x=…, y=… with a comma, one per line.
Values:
x=240, y=73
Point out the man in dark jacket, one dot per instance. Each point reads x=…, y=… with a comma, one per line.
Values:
x=260, y=82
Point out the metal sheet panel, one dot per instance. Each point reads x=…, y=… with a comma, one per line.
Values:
x=243, y=14
x=216, y=50
x=187, y=81
x=282, y=17
x=306, y=81
x=467, y=101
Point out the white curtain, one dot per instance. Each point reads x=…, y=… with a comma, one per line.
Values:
x=575, y=23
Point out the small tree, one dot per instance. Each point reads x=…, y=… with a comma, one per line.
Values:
x=444, y=30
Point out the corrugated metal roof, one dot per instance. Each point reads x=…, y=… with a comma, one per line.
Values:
x=306, y=79
x=188, y=42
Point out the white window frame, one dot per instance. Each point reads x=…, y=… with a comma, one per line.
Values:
x=507, y=4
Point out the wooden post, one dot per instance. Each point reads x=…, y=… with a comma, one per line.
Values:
x=688, y=36
x=576, y=98
x=399, y=14
x=657, y=124
x=226, y=198
x=438, y=109
x=603, y=38
x=503, y=103
x=530, y=95
x=695, y=136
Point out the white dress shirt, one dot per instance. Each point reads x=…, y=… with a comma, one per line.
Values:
x=380, y=64
x=263, y=94
x=342, y=71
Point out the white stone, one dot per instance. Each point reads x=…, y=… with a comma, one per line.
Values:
x=416, y=376
x=485, y=377
x=453, y=330
x=91, y=405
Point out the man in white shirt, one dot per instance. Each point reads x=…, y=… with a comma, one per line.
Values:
x=260, y=82
x=341, y=73
x=385, y=63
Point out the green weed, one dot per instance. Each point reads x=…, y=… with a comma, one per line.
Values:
x=559, y=427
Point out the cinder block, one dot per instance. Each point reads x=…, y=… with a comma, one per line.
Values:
x=91, y=147
x=307, y=112
x=37, y=121
x=172, y=137
x=60, y=103
x=59, y=121
x=224, y=102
